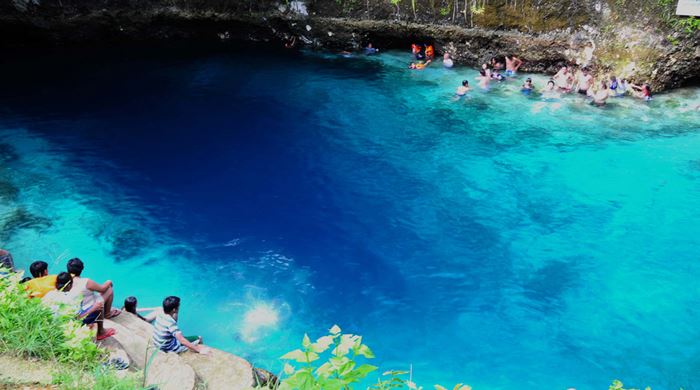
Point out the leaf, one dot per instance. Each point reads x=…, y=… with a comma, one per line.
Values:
x=360, y=372
x=347, y=341
x=322, y=344
x=335, y=330
x=311, y=356
x=297, y=355
x=364, y=350
x=288, y=369
x=325, y=370
x=306, y=343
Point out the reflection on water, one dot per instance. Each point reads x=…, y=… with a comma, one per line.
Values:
x=501, y=240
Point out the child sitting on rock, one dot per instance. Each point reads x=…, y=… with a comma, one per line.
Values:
x=167, y=335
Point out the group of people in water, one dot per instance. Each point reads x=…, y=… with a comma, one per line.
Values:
x=92, y=303
x=569, y=79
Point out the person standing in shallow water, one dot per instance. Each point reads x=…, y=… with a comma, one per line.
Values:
x=447, y=61
x=513, y=63
x=167, y=336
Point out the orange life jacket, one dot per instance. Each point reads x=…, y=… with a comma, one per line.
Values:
x=415, y=48
x=429, y=52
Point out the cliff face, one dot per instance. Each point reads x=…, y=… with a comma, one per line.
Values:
x=631, y=38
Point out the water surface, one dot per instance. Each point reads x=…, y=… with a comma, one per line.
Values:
x=500, y=240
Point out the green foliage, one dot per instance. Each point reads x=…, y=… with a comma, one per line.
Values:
x=392, y=380
x=101, y=378
x=340, y=368
x=617, y=385
x=29, y=329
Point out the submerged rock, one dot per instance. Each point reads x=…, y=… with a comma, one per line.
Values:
x=128, y=243
x=20, y=218
x=8, y=153
x=8, y=191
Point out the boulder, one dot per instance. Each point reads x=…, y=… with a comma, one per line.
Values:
x=221, y=370
x=169, y=372
x=134, y=336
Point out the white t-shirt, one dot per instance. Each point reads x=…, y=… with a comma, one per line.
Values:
x=54, y=299
x=87, y=297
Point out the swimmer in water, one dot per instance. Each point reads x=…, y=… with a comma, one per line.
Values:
x=527, y=86
x=496, y=64
x=463, y=89
x=563, y=79
x=419, y=65
x=601, y=95
x=641, y=91
x=483, y=78
x=584, y=81
x=550, y=91
x=447, y=61
x=371, y=50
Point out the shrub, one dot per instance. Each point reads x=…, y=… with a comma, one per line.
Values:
x=29, y=329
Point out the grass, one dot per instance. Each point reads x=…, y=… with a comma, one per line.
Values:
x=59, y=344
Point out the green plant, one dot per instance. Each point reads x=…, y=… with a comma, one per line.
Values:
x=340, y=369
x=101, y=378
x=617, y=385
x=29, y=329
x=393, y=380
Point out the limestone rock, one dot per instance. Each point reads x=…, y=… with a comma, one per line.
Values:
x=221, y=370
x=168, y=371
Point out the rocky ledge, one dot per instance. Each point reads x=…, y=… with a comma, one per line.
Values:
x=639, y=52
x=217, y=370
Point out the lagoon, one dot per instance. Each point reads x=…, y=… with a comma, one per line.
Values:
x=499, y=240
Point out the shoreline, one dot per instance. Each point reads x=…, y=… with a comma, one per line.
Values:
x=633, y=53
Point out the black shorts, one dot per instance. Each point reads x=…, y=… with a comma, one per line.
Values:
x=90, y=319
x=583, y=92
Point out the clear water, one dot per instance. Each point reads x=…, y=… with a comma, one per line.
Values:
x=498, y=240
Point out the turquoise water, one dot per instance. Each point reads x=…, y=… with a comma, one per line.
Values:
x=499, y=240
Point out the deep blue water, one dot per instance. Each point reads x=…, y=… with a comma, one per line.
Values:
x=499, y=240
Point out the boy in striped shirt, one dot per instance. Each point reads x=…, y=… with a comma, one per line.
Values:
x=167, y=335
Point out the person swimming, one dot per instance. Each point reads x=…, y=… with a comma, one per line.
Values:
x=447, y=61
x=371, y=50
x=613, y=85
x=563, y=79
x=527, y=87
x=496, y=63
x=417, y=51
x=641, y=91
x=429, y=52
x=551, y=91
x=463, y=89
x=601, y=95
x=420, y=65
x=484, y=78
x=513, y=63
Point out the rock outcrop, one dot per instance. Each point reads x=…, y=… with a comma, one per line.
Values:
x=170, y=371
x=631, y=38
